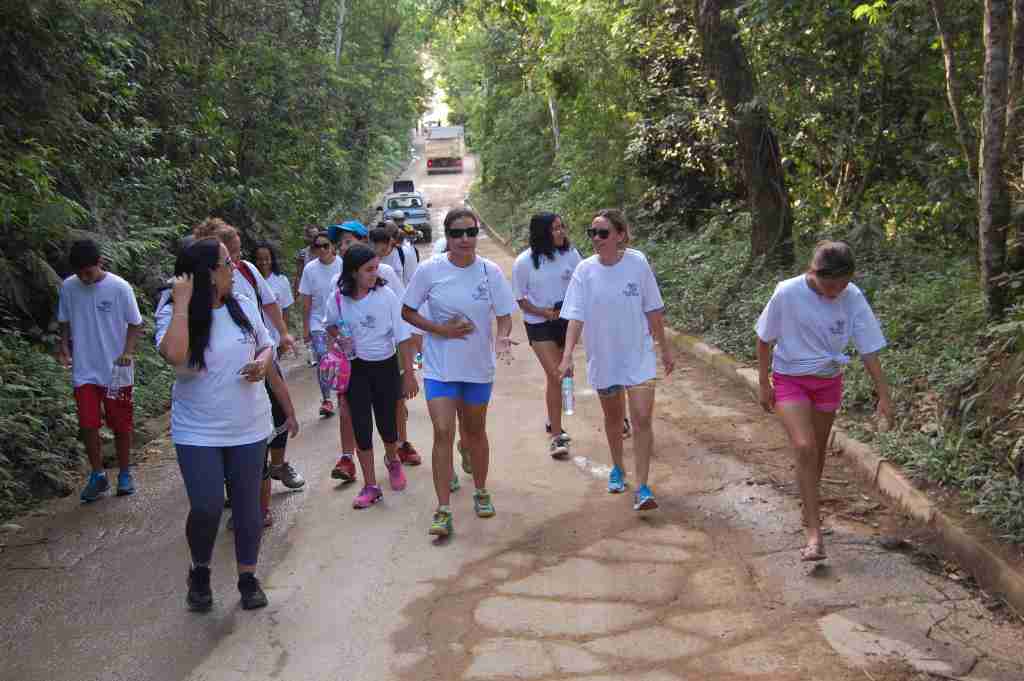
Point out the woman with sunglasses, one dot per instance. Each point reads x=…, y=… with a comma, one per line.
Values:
x=315, y=287
x=464, y=292
x=540, y=277
x=614, y=294
x=801, y=337
x=222, y=352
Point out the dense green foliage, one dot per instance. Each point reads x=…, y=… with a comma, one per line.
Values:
x=129, y=121
x=858, y=98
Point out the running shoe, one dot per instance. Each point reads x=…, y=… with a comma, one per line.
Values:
x=286, y=474
x=442, y=523
x=547, y=429
x=369, y=496
x=327, y=409
x=454, y=485
x=200, y=596
x=467, y=464
x=252, y=594
x=408, y=455
x=643, y=500
x=627, y=429
x=396, y=478
x=560, y=447
x=96, y=487
x=125, y=484
x=617, y=480
x=482, y=503
x=344, y=470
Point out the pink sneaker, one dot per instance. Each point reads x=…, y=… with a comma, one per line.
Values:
x=369, y=496
x=395, y=475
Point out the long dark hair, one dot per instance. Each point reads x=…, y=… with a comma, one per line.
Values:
x=541, y=241
x=199, y=260
x=356, y=256
x=274, y=268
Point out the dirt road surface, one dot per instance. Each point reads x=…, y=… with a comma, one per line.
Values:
x=566, y=582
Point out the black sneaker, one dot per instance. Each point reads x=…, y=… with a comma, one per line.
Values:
x=200, y=596
x=252, y=595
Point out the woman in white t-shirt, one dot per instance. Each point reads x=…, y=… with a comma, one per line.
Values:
x=221, y=351
x=540, y=278
x=465, y=292
x=381, y=339
x=810, y=321
x=615, y=296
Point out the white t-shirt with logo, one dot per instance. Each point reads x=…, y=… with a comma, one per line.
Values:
x=99, y=316
x=544, y=286
x=612, y=301
x=316, y=282
x=376, y=322
x=811, y=332
x=282, y=289
x=478, y=292
x=394, y=282
x=217, y=407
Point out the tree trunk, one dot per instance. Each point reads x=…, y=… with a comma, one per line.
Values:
x=339, y=30
x=954, y=94
x=993, y=197
x=1014, y=125
x=311, y=10
x=556, y=132
x=771, y=233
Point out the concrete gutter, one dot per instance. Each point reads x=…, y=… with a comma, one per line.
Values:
x=990, y=570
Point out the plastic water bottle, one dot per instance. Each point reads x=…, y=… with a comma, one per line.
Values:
x=568, y=397
x=345, y=340
x=121, y=378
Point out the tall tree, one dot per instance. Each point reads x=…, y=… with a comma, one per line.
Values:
x=954, y=92
x=771, y=232
x=993, y=195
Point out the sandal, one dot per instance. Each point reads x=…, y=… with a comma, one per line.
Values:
x=813, y=552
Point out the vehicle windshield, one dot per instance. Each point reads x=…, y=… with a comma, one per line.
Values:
x=404, y=202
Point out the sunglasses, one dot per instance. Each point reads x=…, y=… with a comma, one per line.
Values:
x=321, y=244
x=599, y=233
x=471, y=232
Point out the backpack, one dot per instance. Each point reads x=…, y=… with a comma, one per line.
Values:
x=335, y=367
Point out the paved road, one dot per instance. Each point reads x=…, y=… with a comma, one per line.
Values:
x=566, y=582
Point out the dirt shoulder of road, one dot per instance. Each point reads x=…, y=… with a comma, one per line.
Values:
x=928, y=523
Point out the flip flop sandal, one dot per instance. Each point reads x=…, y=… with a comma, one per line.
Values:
x=812, y=553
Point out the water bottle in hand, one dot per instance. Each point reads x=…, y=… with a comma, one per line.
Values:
x=122, y=377
x=568, y=397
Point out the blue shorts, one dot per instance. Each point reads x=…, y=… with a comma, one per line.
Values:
x=470, y=393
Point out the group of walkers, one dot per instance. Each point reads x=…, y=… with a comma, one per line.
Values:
x=372, y=312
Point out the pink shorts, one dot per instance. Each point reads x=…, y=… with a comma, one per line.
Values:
x=824, y=394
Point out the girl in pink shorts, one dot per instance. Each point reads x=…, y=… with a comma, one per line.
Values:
x=802, y=334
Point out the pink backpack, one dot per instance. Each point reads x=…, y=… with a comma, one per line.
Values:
x=335, y=367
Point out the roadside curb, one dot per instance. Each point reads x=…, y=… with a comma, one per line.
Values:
x=990, y=570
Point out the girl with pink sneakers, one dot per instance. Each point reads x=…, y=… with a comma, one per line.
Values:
x=381, y=340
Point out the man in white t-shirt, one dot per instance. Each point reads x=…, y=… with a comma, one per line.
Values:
x=315, y=287
x=100, y=323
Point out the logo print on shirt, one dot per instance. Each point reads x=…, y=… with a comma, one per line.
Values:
x=632, y=290
x=567, y=275
x=369, y=322
x=482, y=291
x=838, y=328
x=105, y=306
x=246, y=339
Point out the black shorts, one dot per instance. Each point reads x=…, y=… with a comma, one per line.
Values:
x=551, y=331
